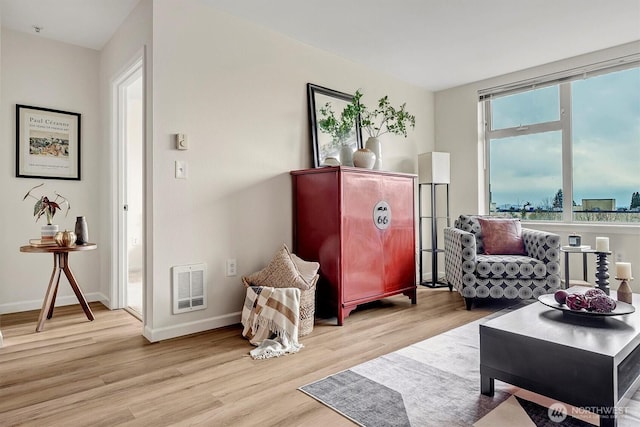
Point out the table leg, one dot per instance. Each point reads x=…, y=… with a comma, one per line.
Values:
x=55, y=291
x=64, y=262
x=49, y=296
x=608, y=421
x=487, y=385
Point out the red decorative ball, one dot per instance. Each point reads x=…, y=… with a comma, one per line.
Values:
x=560, y=296
x=577, y=302
x=594, y=292
x=601, y=304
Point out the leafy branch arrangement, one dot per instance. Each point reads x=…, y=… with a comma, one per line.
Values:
x=385, y=118
x=340, y=127
x=47, y=207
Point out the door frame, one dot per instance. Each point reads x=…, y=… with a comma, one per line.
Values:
x=118, y=182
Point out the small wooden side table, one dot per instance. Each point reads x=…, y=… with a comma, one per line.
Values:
x=60, y=264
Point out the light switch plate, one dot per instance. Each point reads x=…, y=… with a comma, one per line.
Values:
x=181, y=169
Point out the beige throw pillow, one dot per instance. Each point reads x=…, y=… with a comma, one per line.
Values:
x=285, y=270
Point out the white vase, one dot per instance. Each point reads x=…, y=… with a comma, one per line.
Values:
x=364, y=158
x=331, y=161
x=373, y=144
x=346, y=156
x=48, y=232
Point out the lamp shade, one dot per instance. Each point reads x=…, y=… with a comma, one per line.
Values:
x=434, y=168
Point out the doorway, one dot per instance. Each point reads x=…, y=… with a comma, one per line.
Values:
x=129, y=118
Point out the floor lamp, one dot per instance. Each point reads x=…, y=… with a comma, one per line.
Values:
x=433, y=171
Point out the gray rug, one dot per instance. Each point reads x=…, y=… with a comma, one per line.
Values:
x=435, y=382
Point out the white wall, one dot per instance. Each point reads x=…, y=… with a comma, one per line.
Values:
x=238, y=91
x=456, y=131
x=44, y=73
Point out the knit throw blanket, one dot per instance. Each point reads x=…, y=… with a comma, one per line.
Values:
x=271, y=311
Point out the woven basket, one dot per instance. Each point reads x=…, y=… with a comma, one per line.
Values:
x=307, y=310
x=307, y=307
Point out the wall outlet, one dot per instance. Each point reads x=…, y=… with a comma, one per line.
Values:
x=231, y=267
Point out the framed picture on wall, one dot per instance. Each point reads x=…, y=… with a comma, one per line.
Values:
x=47, y=143
x=323, y=144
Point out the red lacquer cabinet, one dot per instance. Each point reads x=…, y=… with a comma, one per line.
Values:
x=360, y=226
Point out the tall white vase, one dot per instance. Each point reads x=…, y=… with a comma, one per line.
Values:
x=373, y=144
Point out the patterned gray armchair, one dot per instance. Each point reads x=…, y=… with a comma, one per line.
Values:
x=477, y=275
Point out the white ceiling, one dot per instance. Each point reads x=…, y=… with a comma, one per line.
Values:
x=435, y=44
x=88, y=23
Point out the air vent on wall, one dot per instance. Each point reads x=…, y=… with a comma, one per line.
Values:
x=189, y=288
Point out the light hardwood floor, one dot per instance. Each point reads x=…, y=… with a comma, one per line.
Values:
x=104, y=372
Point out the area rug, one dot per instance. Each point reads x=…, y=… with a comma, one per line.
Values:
x=436, y=382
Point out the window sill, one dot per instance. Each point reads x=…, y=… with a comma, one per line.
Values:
x=581, y=227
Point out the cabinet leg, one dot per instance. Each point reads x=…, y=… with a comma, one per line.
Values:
x=412, y=294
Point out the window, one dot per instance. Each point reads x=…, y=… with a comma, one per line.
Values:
x=567, y=150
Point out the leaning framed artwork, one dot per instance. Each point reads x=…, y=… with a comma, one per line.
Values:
x=323, y=144
x=47, y=143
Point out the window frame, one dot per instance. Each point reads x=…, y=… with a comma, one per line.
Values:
x=563, y=124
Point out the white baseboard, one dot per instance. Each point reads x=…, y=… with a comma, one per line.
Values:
x=153, y=335
x=16, y=307
x=178, y=330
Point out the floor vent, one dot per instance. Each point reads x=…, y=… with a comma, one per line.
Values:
x=189, y=288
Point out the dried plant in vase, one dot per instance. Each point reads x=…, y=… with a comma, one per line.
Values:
x=47, y=207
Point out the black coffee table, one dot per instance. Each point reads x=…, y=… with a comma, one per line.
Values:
x=590, y=363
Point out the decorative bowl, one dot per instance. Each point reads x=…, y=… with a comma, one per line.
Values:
x=622, y=308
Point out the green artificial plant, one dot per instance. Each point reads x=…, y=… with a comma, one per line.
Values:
x=385, y=118
x=340, y=127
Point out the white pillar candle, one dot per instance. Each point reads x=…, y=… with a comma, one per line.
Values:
x=602, y=244
x=623, y=270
